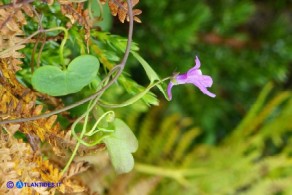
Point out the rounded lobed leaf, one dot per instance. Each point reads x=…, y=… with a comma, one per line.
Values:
x=55, y=82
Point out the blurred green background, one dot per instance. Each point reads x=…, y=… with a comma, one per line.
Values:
x=239, y=142
x=242, y=44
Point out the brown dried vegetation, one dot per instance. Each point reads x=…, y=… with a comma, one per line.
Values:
x=120, y=8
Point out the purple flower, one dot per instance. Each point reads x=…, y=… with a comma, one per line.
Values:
x=193, y=76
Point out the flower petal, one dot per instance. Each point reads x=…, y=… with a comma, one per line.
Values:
x=196, y=67
x=208, y=93
x=170, y=85
x=181, y=78
x=206, y=81
x=198, y=63
x=202, y=83
x=205, y=90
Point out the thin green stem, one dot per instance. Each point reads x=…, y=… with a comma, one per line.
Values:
x=79, y=138
x=92, y=131
x=160, y=171
x=61, y=52
x=91, y=105
x=176, y=174
x=133, y=99
x=71, y=158
x=78, y=143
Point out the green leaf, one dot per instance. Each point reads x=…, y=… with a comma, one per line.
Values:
x=121, y=144
x=55, y=82
x=149, y=71
x=107, y=20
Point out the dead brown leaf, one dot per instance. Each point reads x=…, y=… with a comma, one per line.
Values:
x=120, y=8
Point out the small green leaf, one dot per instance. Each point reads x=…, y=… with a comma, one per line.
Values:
x=106, y=23
x=55, y=82
x=149, y=71
x=121, y=144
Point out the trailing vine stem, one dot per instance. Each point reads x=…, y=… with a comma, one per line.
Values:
x=117, y=70
x=61, y=52
x=85, y=115
x=133, y=99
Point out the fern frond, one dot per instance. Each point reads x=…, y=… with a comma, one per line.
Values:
x=169, y=143
x=120, y=8
x=186, y=141
x=12, y=19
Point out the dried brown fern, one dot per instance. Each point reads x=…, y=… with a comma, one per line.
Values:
x=19, y=101
x=14, y=165
x=49, y=172
x=77, y=14
x=76, y=168
x=120, y=8
x=20, y=163
x=12, y=18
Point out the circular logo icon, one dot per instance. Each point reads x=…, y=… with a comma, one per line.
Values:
x=10, y=184
x=19, y=184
